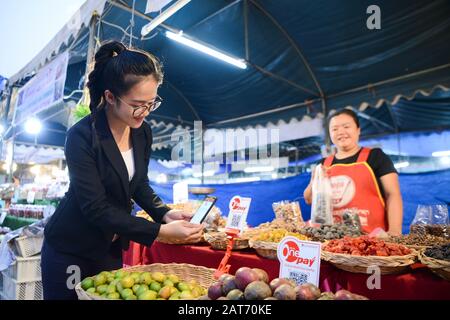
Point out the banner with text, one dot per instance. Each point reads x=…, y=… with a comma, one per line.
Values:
x=44, y=90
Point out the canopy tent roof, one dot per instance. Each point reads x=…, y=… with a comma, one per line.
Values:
x=304, y=58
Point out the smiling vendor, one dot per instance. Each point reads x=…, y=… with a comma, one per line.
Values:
x=361, y=178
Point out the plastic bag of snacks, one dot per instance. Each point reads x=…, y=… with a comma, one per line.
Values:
x=432, y=220
x=322, y=206
x=288, y=211
x=350, y=218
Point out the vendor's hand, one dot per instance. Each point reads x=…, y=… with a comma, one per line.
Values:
x=395, y=232
x=174, y=215
x=181, y=230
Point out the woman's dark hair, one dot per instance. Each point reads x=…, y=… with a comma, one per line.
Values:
x=348, y=112
x=117, y=69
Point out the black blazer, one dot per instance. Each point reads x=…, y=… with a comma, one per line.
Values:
x=98, y=202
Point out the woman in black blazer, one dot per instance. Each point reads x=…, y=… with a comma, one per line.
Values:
x=107, y=155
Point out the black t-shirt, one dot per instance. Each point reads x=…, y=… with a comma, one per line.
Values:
x=379, y=161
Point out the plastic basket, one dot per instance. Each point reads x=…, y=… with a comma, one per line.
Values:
x=29, y=246
x=25, y=269
x=2, y=297
x=28, y=290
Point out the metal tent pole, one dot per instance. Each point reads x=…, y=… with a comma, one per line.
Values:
x=91, y=46
x=325, y=126
x=8, y=93
x=13, y=138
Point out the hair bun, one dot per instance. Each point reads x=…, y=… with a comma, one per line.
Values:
x=108, y=50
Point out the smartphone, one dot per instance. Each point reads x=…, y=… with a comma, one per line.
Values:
x=203, y=210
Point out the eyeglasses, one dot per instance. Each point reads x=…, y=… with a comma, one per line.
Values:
x=138, y=111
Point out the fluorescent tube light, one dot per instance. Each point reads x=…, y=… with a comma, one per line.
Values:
x=163, y=17
x=258, y=169
x=200, y=47
x=207, y=173
x=444, y=160
x=248, y=179
x=399, y=165
x=445, y=153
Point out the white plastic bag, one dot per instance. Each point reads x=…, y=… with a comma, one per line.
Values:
x=431, y=219
x=322, y=205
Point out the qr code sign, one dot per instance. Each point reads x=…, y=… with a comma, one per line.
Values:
x=235, y=221
x=298, y=277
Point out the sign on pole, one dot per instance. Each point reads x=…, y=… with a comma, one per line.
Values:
x=237, y=216
x=299, y=260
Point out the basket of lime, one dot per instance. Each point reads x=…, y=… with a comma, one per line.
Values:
x=156, y=281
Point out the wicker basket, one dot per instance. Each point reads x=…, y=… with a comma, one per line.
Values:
x=219, y=241
x=187, y=272
x=440, y=267
x=416, y=247
x=410, y=246
x=359, y=264
x=265, y=249
x=182, y=242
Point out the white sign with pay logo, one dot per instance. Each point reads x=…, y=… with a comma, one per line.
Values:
x=237, y=215
x=299, y=260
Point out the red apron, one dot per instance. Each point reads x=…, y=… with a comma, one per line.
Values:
x=354, y=186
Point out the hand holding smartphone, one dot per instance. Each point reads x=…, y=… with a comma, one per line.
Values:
x=203, y=210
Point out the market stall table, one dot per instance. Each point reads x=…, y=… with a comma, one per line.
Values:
x=417, y=284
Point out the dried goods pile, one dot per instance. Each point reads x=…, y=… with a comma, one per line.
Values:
x=329, y=232
x=365, y=246
x=272, y=225
x=439, y=252
x=276, y=235
x=418, y=239
x=438, y=230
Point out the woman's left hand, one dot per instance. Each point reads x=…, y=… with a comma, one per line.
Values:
x=174, y=215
